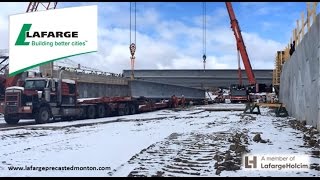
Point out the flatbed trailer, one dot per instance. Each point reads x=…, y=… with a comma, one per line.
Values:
x=43, y=99
x=124, y=105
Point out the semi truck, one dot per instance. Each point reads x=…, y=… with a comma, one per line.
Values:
x=44, y=98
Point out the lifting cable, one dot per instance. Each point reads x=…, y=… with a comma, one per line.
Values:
x=132, y=46
x=204, y=57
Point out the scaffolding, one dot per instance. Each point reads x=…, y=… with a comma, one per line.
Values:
x=303, y=26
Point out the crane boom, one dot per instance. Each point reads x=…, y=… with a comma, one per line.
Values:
x=34, y=6
x=240, y=44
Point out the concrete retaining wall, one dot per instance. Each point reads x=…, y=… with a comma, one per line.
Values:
x=300, y=79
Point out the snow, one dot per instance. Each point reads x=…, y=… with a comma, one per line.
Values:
x=15, y=87
x=259, y=94
x=86, y=99
x=69, y=81
x=124, y=143
x=210, y=95
x=223, y=106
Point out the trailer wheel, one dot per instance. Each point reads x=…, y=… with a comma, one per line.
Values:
x=82, y=114
x=132, y=108
x=10, y=120
x=91, y=112
x=108, y=111
x=124, y=111
x=43, y=115
x=101, y=111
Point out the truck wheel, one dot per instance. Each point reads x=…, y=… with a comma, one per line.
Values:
x=132, y=108
x=124, y=111
x=43, y=115
x=82, y=114
x=11, y=120
x=91, y=112
x=108, y=111
x=101, y=111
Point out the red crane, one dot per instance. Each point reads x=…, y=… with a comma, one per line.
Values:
x=241, y=47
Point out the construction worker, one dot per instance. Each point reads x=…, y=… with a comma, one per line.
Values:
x=292, y=48
x=290, y=51
x=183, y=101
x=174, y=101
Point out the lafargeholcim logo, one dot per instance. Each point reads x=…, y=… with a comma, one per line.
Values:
x=276, y=162
x=41, y=37
x=250, y=163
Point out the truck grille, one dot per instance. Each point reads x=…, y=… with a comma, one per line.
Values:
x=13, y=98
x=12, y=102
x=12, y=109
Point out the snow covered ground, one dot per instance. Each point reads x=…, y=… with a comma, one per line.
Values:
x=162, y=143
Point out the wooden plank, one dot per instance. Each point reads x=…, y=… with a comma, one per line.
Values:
x=314, y=9
x=297, y=34
x=270, y=104
x=303, y=24
x=308, y=15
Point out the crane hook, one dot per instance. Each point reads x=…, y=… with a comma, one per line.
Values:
x=204, y=57
x=132, y=48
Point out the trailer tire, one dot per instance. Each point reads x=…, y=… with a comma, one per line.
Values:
x=82, y=114
x=10, y=120
x=43, y=115
x=132, y=108
x=108, y=111
x=91, y=112
x=124, y=111
x=101, y=111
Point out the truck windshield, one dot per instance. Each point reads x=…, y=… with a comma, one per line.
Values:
x=35, y=84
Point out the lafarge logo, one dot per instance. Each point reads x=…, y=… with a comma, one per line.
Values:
x=26, y=33
x=42, y=37
x=21, y=40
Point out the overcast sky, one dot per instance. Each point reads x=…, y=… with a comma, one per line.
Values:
x=169, y=35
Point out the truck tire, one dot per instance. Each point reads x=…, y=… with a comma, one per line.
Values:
x=108, y=112
x=132, y=108
x=91, y=112
x=43, y=115
x=124, y=111
x=11, y=120
x=101, y=111
x=82, y=114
